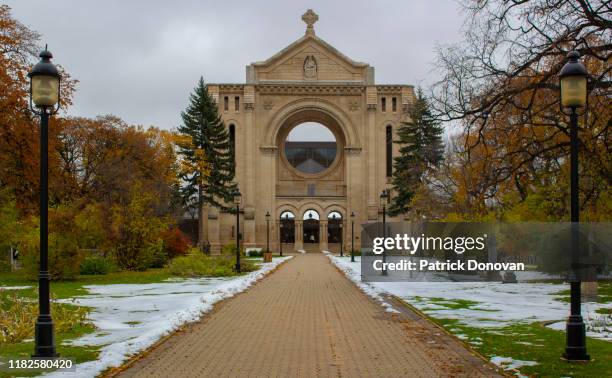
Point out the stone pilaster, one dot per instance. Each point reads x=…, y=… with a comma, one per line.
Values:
x=213, y=230
x=323, y=235
x=371, y=148
x=299, y=235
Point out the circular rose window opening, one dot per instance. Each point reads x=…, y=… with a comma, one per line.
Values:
x=310, y=147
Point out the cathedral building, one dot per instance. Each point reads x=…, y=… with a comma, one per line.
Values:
x=313, y=136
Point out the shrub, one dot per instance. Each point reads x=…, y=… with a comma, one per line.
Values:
x=255, y=253
x=176, y=243
x=97, y=265
x=64, y=255
x=230, y=250
x=199, y=265
x=157, y=255
x=90, y=229
x=18, y=317
x=136, y=231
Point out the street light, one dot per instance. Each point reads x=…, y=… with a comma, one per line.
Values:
x=237, y=201
x=44, y=101
x=384, y=199
x=267, y=231
x=352, y=236
x=573, y=88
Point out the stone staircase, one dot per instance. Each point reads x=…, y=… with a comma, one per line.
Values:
x=312, y=248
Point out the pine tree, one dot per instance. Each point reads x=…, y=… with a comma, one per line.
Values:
x=207, y=167
x=421, y=151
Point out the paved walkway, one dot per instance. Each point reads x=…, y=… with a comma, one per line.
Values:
x=307, y=319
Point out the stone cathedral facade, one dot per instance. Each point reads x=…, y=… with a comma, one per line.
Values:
x=309, y=188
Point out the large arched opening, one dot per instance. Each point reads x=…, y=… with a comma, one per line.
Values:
x=287, y=227
x=311, y=227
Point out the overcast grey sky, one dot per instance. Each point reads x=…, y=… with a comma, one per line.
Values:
x=139, y=59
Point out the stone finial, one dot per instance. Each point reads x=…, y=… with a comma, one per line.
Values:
x=310, y=18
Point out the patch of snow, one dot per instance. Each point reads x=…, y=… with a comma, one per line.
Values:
x=497, y=304
x=509, y=363
x=132, y=317
x=14, y=287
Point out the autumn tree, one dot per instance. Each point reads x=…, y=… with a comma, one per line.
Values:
x=19, y=132
x=420, y=152
x=205, y=149
x=501, y=86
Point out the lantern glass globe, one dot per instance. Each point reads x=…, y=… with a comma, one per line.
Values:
x=573, y=91
x=45, y=90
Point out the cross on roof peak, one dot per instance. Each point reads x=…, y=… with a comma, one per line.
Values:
x=310, y=17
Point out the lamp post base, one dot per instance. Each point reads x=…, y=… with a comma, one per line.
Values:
x=575, y=349
x=44, y=338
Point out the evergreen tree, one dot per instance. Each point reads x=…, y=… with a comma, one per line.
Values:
x=207, y=169
x=421, y=151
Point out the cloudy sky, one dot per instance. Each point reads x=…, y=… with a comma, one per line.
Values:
x=139, y=59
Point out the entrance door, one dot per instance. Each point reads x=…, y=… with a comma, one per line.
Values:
x=311, y=229
x=334, y=231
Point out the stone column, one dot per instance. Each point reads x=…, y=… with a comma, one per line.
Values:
x=323, y=235
x=213, y=231
x=249, y=185
x=371, y=152
x=248, y=232
x=299, y=235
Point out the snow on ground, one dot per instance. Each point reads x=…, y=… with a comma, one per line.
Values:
x=508, y=363
x=498, y=304
x=131, y=317
x=14, y=287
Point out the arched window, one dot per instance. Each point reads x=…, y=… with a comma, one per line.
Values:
x=334, y=215
x=389, y=155
x=232, y=136
x=311, y=214
x=287, y=215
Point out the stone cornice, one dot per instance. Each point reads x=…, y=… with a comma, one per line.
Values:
x=391, y=88
x=310, y=89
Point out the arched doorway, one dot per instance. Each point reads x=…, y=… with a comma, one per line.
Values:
x=287, y=227
x=334, y=231
x=311, y=228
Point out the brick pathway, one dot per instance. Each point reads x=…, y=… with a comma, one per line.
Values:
x=307, y=319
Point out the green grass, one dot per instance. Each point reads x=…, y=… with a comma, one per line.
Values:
x=71, y=288
x=452, y=304
x=534, y=342
x=528, y=342
x=604, y=293
x=24, y=349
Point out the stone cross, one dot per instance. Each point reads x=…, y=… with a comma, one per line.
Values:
x=310, y=18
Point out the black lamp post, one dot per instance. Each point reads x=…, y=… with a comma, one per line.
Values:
x=267, y=231
x=573, y=88
x=44, y=101
x=352, y=236
x=237, y=201
x=384, y=199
